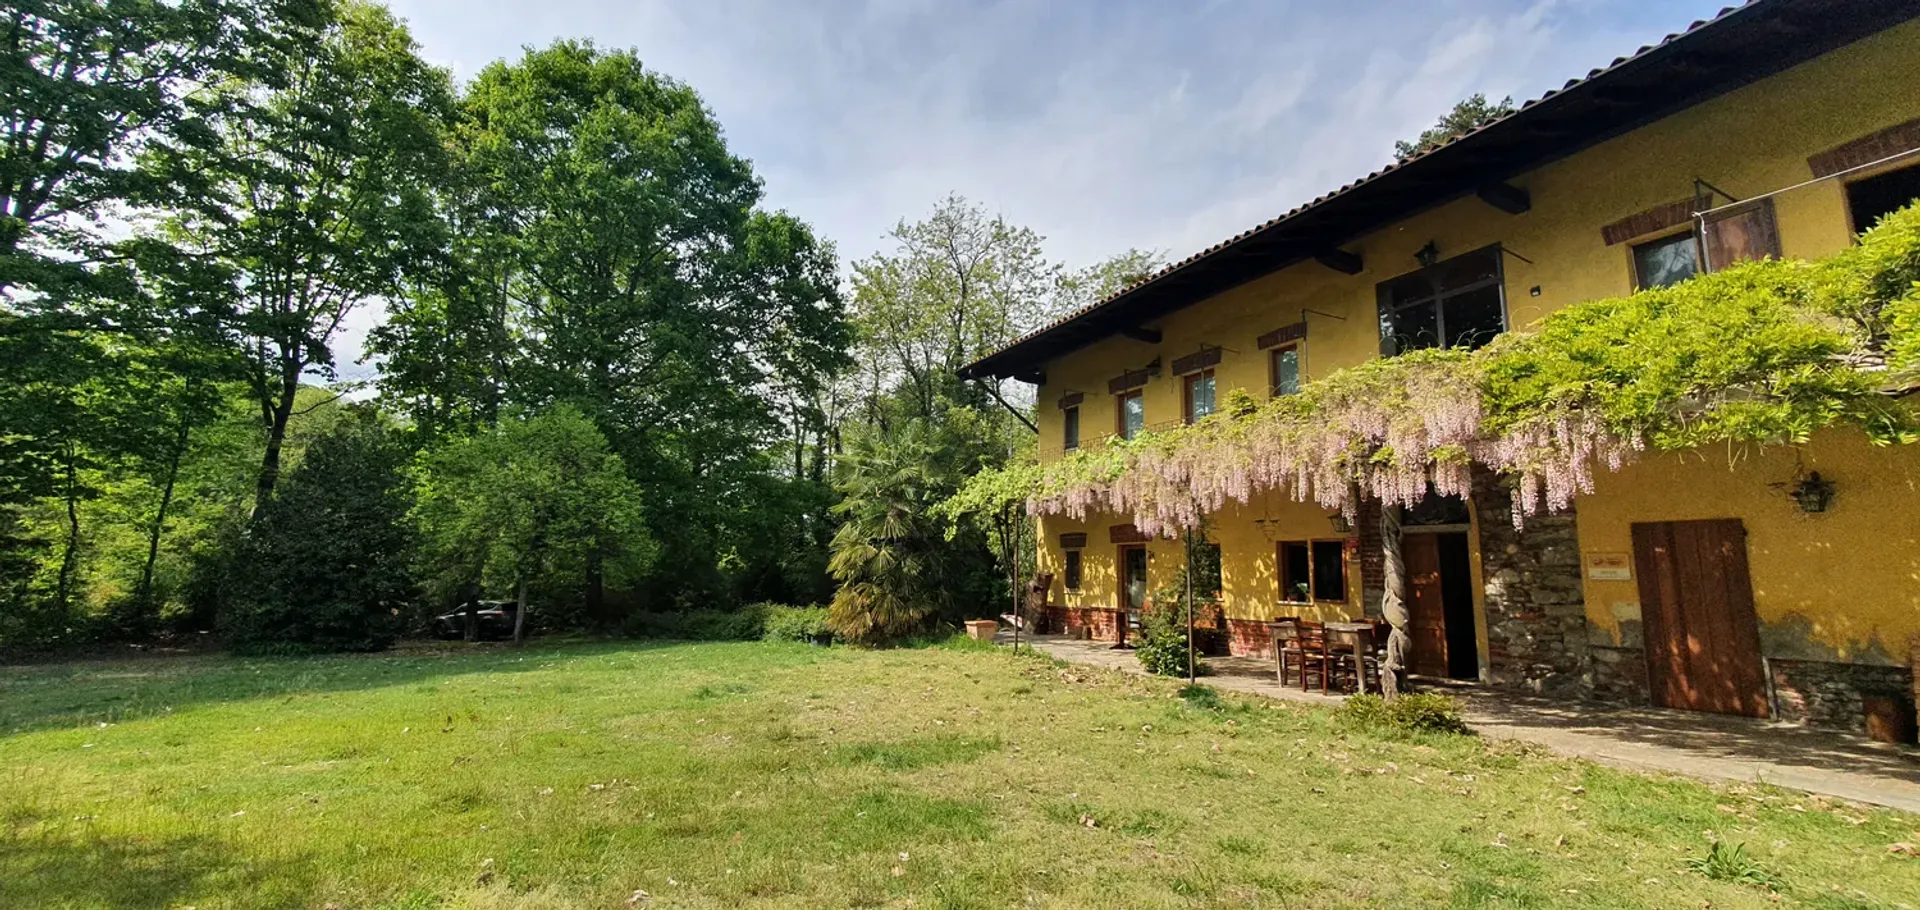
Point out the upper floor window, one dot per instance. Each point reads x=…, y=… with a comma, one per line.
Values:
x=1876, y=197
x=1132, y=407
x=1286, y=370
x=1668, y=260
x=1458, y=303
x=1199, y=395
x=1070, y=433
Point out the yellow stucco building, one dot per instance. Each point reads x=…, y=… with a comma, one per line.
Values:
x=1692, y=580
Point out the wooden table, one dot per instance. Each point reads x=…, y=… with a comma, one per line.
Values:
x=1359, y=637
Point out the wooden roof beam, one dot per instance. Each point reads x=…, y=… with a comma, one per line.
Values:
x=1139, y=333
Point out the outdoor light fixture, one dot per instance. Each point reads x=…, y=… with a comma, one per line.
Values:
x=1427, y=255
x=1813, y=492
x=1340, y=523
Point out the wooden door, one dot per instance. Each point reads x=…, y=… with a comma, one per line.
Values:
x=1696, y=609
x=1426, y=605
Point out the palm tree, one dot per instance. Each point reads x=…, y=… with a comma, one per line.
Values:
x=888, y=550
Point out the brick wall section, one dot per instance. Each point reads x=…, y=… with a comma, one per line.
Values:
x=1249, y=638
x=1867, y=149
x=1373, y=565
x=1102, y=622
x=1536, y=614
x=1830, y=695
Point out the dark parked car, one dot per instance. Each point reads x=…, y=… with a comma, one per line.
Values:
x=493, y=621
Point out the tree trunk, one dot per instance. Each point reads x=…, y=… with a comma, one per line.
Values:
x=1393, y=604
x=69, y=559
x=520, y=614
x=160, y=514
x=278, y=415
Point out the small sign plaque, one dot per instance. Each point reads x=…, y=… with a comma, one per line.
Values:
x=1609, y=567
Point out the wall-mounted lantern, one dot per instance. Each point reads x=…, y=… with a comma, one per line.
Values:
x=1427, y=255
x=1340, y=523
x=1813, y=492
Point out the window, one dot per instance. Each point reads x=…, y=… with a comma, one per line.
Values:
x=1132, y=408
x=1199, y=395
x=1458, y=303
x=1073, y=570
x=1669, y=260
x=1874, y=198
x=1286, y=370
x=1313, y=570
x=1070, y=419
x=1329, y=570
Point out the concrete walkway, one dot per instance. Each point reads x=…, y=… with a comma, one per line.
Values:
x=1709, y=746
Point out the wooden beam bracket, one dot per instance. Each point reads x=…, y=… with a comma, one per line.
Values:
x=1340, y=261
x=1506, y=197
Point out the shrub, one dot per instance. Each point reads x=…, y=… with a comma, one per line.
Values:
x=807, y=624
x=1419, y=713
x=1162, y=645
x=324, y=567
x=745, y=624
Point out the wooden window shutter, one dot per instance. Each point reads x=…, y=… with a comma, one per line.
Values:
x=1739, y=233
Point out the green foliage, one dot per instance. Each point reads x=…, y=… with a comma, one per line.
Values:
x=749, y=623
x=1469, y=114
x=803, y=624
x=1420, y=712
x=1724, y=863
x=609, y=251
x=1161, y=644
x=324, y=567
x=538, y=502
x=313, y=202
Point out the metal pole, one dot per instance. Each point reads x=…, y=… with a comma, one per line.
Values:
x=1189, y=545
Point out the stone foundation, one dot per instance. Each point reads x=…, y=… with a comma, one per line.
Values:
x=1536, y=614
x=1617, y=675
x=1832, y=695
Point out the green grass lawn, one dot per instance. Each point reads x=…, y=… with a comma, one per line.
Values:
x=766, y=775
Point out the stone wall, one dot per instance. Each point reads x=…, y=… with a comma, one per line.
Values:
x=1833, y=695
x=1536, y=614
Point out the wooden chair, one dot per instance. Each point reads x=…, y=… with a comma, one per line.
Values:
x=1314, y=657
x=1286, y=644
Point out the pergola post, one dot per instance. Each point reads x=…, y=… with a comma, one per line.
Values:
x=1393, y=603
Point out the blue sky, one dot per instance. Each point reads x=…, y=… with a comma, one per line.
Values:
x=1102, y=124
